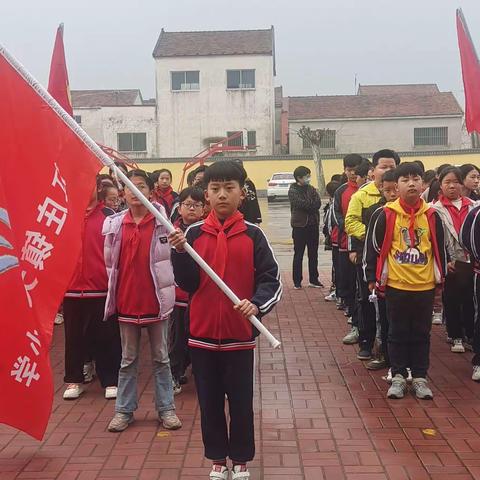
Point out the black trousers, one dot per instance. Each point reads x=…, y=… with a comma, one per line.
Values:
x=346, y=279
x=384, y=324
x=305, y=237
x=476, y=330
x=335, y=268
x=410, y=317
x=179, y=353
x=218, y=374
x=364, y=313
x=458, y=301
x=85, y=328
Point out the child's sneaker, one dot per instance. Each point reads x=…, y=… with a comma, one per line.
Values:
x=169, y=420
x=240, y=471
x=457, y=346
x=219, y=472
x=399, y=385
x=351, y=338
x=476, y=373
x=177, y=388
x=421, y=389
x=120, y=422
x=437, y=318
x=388, y=377
x=316, y=284
x=331, y=298
x=73, y=391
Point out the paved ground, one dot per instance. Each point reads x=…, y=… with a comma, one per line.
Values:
x=319, y=413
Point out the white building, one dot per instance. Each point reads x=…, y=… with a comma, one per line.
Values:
x=402, y=117
x=121, y=119
x=211, y=84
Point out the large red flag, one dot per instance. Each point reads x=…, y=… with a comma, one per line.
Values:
x=46, y=180
x=471, y=75
x=58, y=85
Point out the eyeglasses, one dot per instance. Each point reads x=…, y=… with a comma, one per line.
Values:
x=190, y=206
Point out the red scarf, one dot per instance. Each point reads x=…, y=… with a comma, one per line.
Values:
x=165, y=195
x=132, y=233
x=234, y=224
x=411, y=210
x=457, y=216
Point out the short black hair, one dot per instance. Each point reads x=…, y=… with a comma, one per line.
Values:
x=301, y=171
x=407, y=169
x=389, y=176
x=433, y=191
x=352, y=160
x=455, y=170
x=155, y=175
x=194, y=193
x=467, y=168
x=224, y=171
x=191, y=178
x=143, y=174
x=331, y=187
x=201, y=168
x=102, y=194
x=422, y=166
x=363, y=168
x=442, y=167
x=385, y=153
x=429, y=176
x=336, y=178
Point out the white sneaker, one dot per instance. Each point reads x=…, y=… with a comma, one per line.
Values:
x=219, y=472
x=388, y=377
x=73, y=391
x=437, y=318
x=240, y=471
x=331, y=298
x=111, y=393
x=457, y=346
x=58, y=319
x=476, y=373
x=88, y=372
x=177, y=388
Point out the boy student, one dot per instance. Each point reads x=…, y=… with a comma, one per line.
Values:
x=163, y=192
x=221, y=337
x=191, y=207
x=141, y=293
x=85, y=331
x=341, y=199
x=355, y=226
x=406, y=254
x=305, y=221
x=361, y=173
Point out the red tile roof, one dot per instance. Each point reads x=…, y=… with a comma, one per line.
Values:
x=232, y=42
x=373, y=106
x=415, y=88
x=106, y=98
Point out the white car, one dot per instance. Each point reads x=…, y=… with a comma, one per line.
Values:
x=278, y=185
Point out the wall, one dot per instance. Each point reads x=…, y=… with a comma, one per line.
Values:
x=186, y=118
x=372, y=135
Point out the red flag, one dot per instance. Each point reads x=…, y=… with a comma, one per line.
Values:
x=58, y=85
x=471, y=74
x=47, y=178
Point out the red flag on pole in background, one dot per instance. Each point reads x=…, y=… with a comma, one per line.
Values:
x=470, y=73
x=41, y=223
x=58, y=85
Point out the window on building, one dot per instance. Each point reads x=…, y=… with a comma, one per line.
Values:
x=238, y=141
x=240, y=79
x=251, y=139
x=186, y=80
x=78, y=119
x=328, y=140
x=430, y=136
x=132, y=142
x=235, y=142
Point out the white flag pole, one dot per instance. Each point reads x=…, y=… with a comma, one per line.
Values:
x=107, y=161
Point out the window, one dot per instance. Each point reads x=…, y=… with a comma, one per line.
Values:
x=132, y=142
x=78, y=119
x=430, y=136
x=185, y=80
x=238, y=141
x=328, y=140
x=240, y=79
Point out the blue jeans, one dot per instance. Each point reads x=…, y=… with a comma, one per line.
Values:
x=127, y=399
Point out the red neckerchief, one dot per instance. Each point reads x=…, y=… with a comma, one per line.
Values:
x=165, y=194
x=132, y=233
x=457, y=216
x=411, y=210
x=234, y=224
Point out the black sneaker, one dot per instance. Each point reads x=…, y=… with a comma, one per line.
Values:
x=316, y=284
x=364, y=355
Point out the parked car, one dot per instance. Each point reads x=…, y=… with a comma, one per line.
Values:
x=278, y=186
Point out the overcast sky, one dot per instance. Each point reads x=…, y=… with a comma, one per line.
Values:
x=320, y=45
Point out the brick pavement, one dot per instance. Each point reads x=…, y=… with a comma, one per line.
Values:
x=319, y=415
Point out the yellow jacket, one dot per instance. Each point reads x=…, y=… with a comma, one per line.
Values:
x=360, y=201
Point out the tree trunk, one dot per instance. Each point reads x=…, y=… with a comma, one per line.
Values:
x=319, y=170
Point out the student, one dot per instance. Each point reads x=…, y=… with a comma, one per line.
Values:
x=355, y=226
x=471, y=181
x=250, y=207
x=458, y=291
x=408, y=241
x=341, y=199
x=85, y=332
x=163, y=192
x=221, y=339
x=191, y=205
x=305, y=220
x=110, y=197
x=199, y=173
x=141, y=293
x=361, y=173
x=470, y=241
